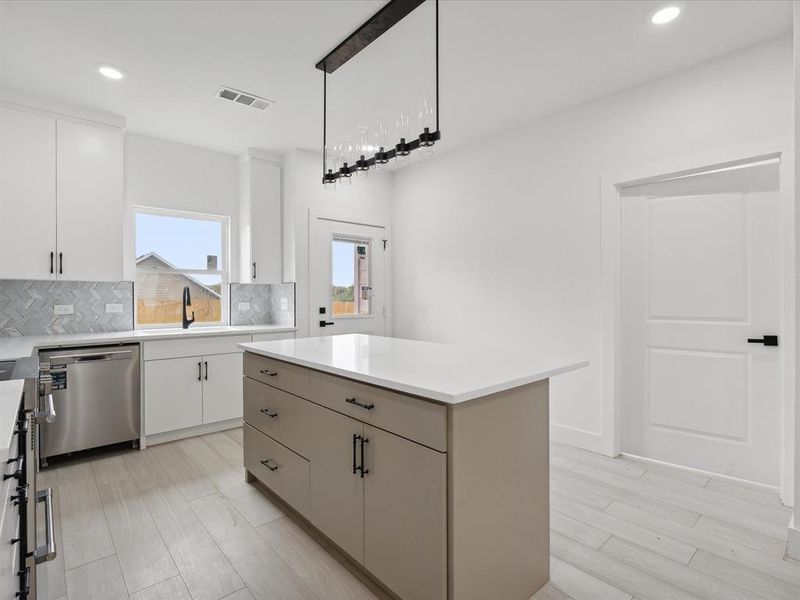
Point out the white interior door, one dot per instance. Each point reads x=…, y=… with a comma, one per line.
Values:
x=701, y=274
x=346, y=278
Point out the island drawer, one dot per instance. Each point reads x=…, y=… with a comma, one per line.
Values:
x=277, y=467
x=413, y=418
x=280, y=415
x=279, y=374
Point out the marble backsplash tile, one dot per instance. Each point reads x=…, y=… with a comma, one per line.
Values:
x=267, y=304
x=26, y=306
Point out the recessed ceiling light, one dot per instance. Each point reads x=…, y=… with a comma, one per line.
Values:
x=110, y=72
x=665, y=14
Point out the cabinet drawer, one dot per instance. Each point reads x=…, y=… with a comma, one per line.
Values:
x=193, y=346
x=279, y=414
x=280, y=469
x=279, y=374
x=418, y=420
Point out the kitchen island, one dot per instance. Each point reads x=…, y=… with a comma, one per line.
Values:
x=428, y=464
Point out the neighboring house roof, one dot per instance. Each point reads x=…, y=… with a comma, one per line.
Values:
x=155, y=257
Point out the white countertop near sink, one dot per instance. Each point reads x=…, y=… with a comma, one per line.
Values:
x=13, y=348
x=440, y=372
x=10, y=395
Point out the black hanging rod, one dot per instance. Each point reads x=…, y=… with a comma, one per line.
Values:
x=373, y=28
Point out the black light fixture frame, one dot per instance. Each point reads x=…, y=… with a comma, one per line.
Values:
x=378, y=24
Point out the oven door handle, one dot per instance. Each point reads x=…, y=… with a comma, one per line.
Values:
x=48, y=550
x=48, y=415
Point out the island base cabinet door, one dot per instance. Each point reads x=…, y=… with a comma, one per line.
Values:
x=173, y=394
x=337, y=493
x=222, y=387
x=405, y=516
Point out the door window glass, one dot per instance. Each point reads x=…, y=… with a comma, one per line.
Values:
x=350, y=286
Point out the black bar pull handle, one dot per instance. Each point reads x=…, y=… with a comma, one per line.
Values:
x=199, y=370
x=266, y=411
x=767, y=340
x=60, y=263
x=268, y=372
x=206, y=375
x=254, y=270
x=356, y=437
x=364, y=471
x=355, y=402
x=52, y=256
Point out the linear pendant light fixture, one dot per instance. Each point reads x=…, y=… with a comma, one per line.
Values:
x=378, y=24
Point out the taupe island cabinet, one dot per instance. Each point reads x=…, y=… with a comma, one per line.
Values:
x=426, y=463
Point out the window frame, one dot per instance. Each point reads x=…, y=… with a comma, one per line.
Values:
x=223, y=271
x=370, y=242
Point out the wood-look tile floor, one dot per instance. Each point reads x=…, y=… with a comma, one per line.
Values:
x=178, y=522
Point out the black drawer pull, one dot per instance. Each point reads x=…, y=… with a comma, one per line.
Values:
x=266, y=462
x=268, y=372
x=17, y=474
x=271, y=415
x=356, y=437
x=369, y=406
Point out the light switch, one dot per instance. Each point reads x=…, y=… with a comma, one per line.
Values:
x=63, y=309
x=113, y=308
x=243, y=306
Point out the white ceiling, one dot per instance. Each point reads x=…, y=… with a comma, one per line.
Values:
x=502, y=62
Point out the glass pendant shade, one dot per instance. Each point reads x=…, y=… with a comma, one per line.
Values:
x=427, y=127
x=401, y=133
x=381, y=144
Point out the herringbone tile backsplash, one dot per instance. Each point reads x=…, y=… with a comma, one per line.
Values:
x=26, y=306
x=269, y=304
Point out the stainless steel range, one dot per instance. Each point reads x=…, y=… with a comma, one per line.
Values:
x=20, y=515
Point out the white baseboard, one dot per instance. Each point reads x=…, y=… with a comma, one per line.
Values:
x=793, y=540
x=180, y=434
x=587, y=440
x=754, y=484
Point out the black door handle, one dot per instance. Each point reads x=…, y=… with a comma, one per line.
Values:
x=52, y=254
x=326, y=323
x=767, y=340
x=199, y=371
x=206, y=364
x=60, y=263
x=254, y=270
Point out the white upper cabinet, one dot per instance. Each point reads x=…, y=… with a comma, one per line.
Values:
x=61, y=198
x=260, y=216
x=90, y=201
x=27, y=195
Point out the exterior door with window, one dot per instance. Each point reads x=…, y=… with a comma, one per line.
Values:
x=347, y=275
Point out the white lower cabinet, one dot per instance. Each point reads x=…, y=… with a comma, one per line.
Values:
x=173, y=391
x=222, y=387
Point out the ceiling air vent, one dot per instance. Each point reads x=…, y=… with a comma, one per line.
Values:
x=240, y=97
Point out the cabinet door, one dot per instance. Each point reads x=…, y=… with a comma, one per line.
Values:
x=265, y=226
x=222, y=387
x=405, y=516
x=90, y=202
x=173, y=394
x=27, y=194
x=337, y=494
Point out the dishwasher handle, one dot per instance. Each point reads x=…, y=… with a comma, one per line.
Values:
x=48, y=415
x=65, y=359
x=48, y=550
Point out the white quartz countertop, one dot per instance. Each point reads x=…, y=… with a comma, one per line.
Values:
x=13, y=348
x=10, y=395
x=441, y=372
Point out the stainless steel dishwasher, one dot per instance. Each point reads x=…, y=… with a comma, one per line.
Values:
x=96, y=398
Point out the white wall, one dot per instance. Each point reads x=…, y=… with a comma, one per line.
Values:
x=367, y=200
x=164, y=174
x=500, y=242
